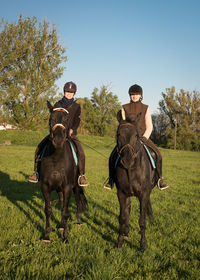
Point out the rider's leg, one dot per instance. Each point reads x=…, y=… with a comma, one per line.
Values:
x=81, y=162
x=35, y=176
x=112, y=159
x=160, y=181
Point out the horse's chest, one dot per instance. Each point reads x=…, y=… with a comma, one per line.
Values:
x=55, y=172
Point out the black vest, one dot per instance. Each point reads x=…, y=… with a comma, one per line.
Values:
x=132, y=110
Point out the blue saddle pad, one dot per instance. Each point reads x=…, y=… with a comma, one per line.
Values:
x=74, y=153
x=150, y=157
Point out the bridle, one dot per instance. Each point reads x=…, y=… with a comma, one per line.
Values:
x=134, y=152
x=60, y=109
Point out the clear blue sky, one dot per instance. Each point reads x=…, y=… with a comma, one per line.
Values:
x=154, y=43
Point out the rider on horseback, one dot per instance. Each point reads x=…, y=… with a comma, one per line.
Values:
x=74, y=110
x=130, y=111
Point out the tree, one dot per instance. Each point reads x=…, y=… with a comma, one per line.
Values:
x=98, y=114
x=183, y=111
x=160, y=124
x=30, y=58
x=106, y=106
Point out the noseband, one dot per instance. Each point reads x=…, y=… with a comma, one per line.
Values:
x=58, y=124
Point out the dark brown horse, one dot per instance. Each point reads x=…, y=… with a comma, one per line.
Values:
x=59, y=172
x=134, y=176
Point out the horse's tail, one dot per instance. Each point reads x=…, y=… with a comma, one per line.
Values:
x=81, y=201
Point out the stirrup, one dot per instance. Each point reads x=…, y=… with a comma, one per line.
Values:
x=82, y=185
x=158, y=184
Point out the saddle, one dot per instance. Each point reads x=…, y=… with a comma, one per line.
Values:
x=73, y=149
x=150, y=153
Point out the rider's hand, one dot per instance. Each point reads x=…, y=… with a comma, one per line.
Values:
x=143, y=139
x=70, y=132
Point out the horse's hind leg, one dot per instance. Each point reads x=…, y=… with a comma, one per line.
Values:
x=48, y=211
x=125, y=207
x=81, y=203
x=142, y=221
x=149, y=211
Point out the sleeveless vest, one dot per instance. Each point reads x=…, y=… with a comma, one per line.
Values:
x=132, y=110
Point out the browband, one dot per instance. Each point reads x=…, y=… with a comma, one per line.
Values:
x=61, y=109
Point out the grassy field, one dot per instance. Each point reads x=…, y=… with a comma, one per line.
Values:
x=173, y=250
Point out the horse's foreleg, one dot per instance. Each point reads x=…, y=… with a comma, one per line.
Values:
x=61, y=226
x=125, y=207
x=48, y=211
x=142, y=221
x=65, y=212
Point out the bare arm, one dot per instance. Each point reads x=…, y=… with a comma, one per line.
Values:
x=148, y=123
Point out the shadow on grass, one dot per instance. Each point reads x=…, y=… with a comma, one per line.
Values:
x=23, y=195
x=19, y=191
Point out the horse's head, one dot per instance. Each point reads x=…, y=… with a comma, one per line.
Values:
x=128, y=141
x=58, y=125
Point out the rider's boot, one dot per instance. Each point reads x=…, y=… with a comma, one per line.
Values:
x=34, y=177
x=109, y=184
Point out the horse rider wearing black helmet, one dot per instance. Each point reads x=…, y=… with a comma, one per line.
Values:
x=74, y=110
x=130, y=111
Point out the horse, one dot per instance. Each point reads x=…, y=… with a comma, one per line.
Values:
x=134, y=176
x=59, y=172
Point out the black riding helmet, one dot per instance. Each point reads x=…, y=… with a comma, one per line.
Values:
x=135, y=89
x=70, y=87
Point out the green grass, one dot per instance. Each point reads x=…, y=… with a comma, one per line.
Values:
x=173, y=250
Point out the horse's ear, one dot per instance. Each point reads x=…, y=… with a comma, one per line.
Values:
x=49, y=106
x=138, y=117
x=121, y=116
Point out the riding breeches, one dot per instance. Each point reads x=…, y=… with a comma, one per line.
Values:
x=81, y=154
x=152, y=146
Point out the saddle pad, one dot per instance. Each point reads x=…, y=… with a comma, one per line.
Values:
x=150, y=157
x=74, y=153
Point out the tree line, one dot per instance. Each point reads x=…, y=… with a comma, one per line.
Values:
x=31, y=60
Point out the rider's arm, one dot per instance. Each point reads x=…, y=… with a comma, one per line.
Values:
x=76, y=119
x=148, y=123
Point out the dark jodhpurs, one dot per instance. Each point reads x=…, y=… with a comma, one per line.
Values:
x=148, y=143
x=44, y=142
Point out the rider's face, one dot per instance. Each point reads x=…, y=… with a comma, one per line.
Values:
x=69, y=95
x=135, y=97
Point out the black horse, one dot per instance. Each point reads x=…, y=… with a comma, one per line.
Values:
x=134, y=176
x=59, y=172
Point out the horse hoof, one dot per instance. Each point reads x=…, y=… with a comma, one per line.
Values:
x=61, y=229
x=46, y=241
